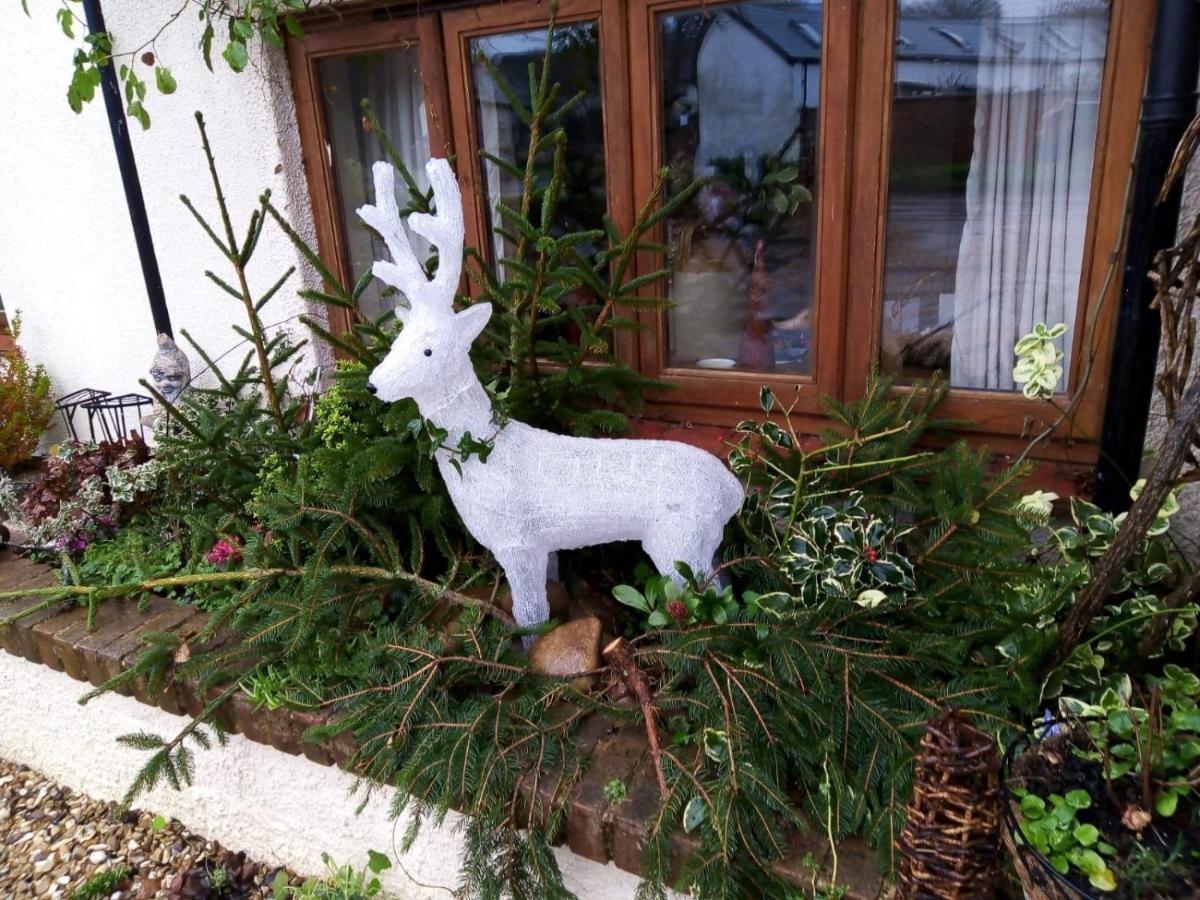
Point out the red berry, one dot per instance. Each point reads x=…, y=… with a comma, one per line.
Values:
x=871, y=554
x=677, y=610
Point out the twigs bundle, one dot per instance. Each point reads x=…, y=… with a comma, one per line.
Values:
x=949, y=846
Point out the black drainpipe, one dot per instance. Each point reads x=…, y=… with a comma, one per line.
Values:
x=1168, y=107
x=119, y=125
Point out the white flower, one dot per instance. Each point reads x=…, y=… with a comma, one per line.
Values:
x=1039, y=503
x=870, y=598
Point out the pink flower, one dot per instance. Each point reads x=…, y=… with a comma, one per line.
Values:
x=224, y=551
x=677, y=610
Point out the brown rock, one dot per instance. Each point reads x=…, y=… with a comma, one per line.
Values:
x=570, y=648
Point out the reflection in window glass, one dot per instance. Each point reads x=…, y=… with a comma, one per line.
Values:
x=740, y=91
x=391, y=80
x=575, y=64
x=993, y=132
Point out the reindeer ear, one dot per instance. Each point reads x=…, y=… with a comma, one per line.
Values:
x=472, y=320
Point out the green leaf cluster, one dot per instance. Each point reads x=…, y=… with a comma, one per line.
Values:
x=1051, y=827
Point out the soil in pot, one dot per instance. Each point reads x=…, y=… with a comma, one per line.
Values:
x=1154, y=857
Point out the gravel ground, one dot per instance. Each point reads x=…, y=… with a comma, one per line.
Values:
x=52, y=840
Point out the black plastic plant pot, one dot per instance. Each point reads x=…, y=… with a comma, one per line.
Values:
x=1039, y=879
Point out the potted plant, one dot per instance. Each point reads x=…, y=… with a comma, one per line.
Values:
x=1104, y=801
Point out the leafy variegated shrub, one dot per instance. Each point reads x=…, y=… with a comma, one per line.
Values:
x=840, y=550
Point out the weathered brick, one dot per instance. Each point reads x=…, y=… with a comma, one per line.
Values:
x=45, y=634
x=589, y=820
x=178, y=695
x=541, y=789
x=13, y=635
x=301, y=721
x=631, y=818
x=115, y=619
x=123, y=654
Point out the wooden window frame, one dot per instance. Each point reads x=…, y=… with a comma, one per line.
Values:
x=1006, y=420
x=854, y=129
x=324, y=38
x=461, y=26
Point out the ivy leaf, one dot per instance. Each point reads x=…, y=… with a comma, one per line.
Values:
x=65, y=20
x=236, y=55
x=137, y=111
x=693, y=814
x=377, y=862
x=206, y=40
x=164, y=80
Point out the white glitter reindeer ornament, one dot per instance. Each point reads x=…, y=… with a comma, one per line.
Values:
x=538, y=492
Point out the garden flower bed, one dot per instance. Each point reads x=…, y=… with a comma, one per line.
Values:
x=595, y=828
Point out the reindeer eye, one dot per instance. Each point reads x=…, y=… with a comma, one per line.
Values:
x=428, y=352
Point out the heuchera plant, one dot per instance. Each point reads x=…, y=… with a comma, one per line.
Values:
x=85, y=493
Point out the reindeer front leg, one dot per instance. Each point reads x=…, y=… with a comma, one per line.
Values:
x=526, y=574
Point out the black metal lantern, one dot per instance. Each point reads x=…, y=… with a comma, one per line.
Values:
x=113, y=412
x=76, y=400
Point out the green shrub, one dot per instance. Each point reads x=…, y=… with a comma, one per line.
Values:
x=25, y=405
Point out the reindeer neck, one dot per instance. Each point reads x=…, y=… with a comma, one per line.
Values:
x=469, y=409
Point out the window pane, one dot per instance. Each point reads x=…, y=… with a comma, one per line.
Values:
x=993, y=132
x=740, y=92
x=575, y=64
x=391, y=80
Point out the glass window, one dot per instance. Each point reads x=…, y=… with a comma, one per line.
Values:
x=575, y=64
x=740, y=91
x=391, y=80
x=993, y=133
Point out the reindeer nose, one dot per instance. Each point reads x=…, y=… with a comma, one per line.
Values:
x=371, y=389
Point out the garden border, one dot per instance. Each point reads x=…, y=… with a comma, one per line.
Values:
x=57, y=637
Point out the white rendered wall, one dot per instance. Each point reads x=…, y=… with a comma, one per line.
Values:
x=278, y=808
x=69, y=262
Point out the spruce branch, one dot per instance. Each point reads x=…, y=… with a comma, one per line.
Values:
x=239, y=259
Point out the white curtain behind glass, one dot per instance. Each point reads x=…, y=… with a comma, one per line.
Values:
x=1019, y=263
x=391, y=80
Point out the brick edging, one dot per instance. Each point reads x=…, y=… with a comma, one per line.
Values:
x=595, y=829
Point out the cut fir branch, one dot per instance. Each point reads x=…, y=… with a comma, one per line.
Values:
x=94, y=594
x=239, y=257
x=173, y=760
x=554, y=282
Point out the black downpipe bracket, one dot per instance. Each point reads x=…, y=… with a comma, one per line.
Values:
x=119, y=125
x=1168, y=107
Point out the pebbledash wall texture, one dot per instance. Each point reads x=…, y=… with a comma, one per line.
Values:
x=70, y=266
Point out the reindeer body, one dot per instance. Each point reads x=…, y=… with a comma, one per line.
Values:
x=538, y=492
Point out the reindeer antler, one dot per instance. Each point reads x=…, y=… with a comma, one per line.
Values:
x=443, y=229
